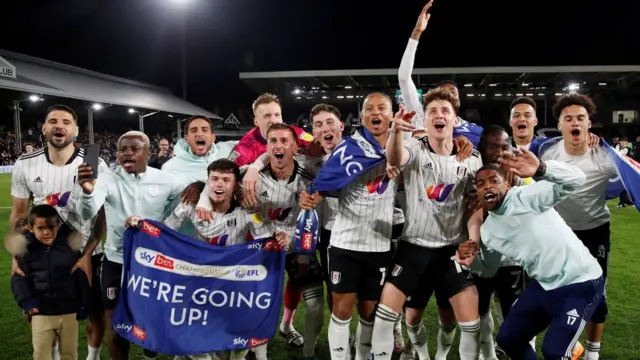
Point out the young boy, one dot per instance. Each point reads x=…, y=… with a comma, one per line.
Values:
x=51, y=296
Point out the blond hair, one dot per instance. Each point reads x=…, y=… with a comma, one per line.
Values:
x=135, y=134
x=266, y=98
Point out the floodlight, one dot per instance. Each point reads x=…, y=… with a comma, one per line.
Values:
x=97, y=106
x=131, y=110
x=35, y=98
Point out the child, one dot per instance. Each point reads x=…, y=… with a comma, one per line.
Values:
x=50, y=295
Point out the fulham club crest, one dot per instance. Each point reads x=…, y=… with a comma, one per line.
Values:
x=231, y=223
x=111, y=293
x=335, y=277
x=396, y=270
x=462, y=171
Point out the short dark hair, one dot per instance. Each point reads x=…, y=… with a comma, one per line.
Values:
x=60, y=107
x=447, y=82
x=224, y=166
x=523, y=100
x=441, y=94
x=574, y=99
x=324, y=107
x=493, y=167
x=42, y=211
x=282, y=126
x=489, y=130
x=196, y=117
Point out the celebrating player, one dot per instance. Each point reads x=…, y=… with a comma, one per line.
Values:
x=268, y=111
x=48, y=176
x=437, y=189
x=585, y=210
x=523, y=121
x=133, y=189
x=522, y=225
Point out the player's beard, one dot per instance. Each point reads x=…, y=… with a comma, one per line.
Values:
x=62, y=145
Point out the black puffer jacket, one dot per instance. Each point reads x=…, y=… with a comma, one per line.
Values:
x=48, y=283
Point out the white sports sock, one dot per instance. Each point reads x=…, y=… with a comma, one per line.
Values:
x=338, y=336
x=261, y=352
x=382, y=335
x=94, y=353
x=55, y=352
x=238, y=354
x=446, y=335
x=592, y=350
x=418, y=336
x=469, y=336
x=398, y=325
x=364, y=333
x=486, y=337
x=314, y=299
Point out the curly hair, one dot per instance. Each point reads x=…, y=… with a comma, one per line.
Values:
x=574, y=99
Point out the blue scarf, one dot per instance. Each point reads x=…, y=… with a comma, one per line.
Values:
x=354, y=156
x=470, y=131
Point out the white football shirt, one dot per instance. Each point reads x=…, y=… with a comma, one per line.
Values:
x=34, y=176
x=365, y=215
x=586, y=208
x=437, y=190
x=230, y=228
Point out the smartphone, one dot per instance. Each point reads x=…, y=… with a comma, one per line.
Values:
x=91, y=153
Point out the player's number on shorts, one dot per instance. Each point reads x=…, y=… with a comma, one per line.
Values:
x=571, y=320
x=383, y=271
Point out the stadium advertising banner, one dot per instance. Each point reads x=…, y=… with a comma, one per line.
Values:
x=6, y=169
x=182, y=296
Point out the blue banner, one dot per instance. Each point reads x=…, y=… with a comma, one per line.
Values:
x=182, y=296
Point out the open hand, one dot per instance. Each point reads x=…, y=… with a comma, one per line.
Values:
x=402, y=120
x=521, y=162
x=423, y=18
x=249, y=188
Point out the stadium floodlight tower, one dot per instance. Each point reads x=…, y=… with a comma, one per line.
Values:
x=141, y=117
x=16, y=118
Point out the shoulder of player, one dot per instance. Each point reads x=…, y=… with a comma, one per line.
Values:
x=31, y=155
x=305, y=173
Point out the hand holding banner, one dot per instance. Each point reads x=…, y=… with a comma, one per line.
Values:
x=182, y=296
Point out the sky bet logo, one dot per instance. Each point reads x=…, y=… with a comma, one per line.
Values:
x=253, y=342
x=159, y=261
x=307, y=237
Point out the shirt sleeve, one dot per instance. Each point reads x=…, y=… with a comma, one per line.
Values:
x=412, y=145
x=559, y=181
x=89, y=204
x=204, y=202
x=19, y=187
x=487, y=263
x=102, y=166
x=179, y=215
x=410, y=96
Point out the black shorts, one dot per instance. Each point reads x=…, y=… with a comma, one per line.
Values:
x=419, y=272
x=323, y=248
x=303, y=275
x=598, y=241
x=507, y=284
x=95, y=299
x=362, y=273
x=111, y=280
x=396, y=231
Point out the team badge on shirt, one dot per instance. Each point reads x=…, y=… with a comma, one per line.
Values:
x=231, y=223
x=234, y=155
x=462, y=171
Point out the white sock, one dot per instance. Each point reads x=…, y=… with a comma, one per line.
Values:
x=592, y=350
x=486, y=337
x=418, y=336
x=469, y=336
x=93, y=353
x=338, y=336
x=398, y=325
x=533, y=343
x=446, y=335
x=238, y=354
x=314, y=299
x=261, y=352
x=382, y=335
x=364, y=333
x=55, y=352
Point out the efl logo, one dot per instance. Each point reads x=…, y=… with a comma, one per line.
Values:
x=150, y=229
x=163, y=262
x=139, y=333
x=272, y=245
x=307, y=241
x=253, y=342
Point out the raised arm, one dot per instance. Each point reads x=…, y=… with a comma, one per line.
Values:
x=94, y=192
x=487, y=263
x=397, y=154
x=408, y=89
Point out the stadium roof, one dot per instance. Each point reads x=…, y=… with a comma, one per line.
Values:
x=33, y=75
x=480, y=82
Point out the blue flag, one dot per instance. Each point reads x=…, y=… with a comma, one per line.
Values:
x=306, y=236
x=628, y=172
x=182, y=296
x=469, y=130
x=354, y=156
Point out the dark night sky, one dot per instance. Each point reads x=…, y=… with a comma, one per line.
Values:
x=140, y=39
